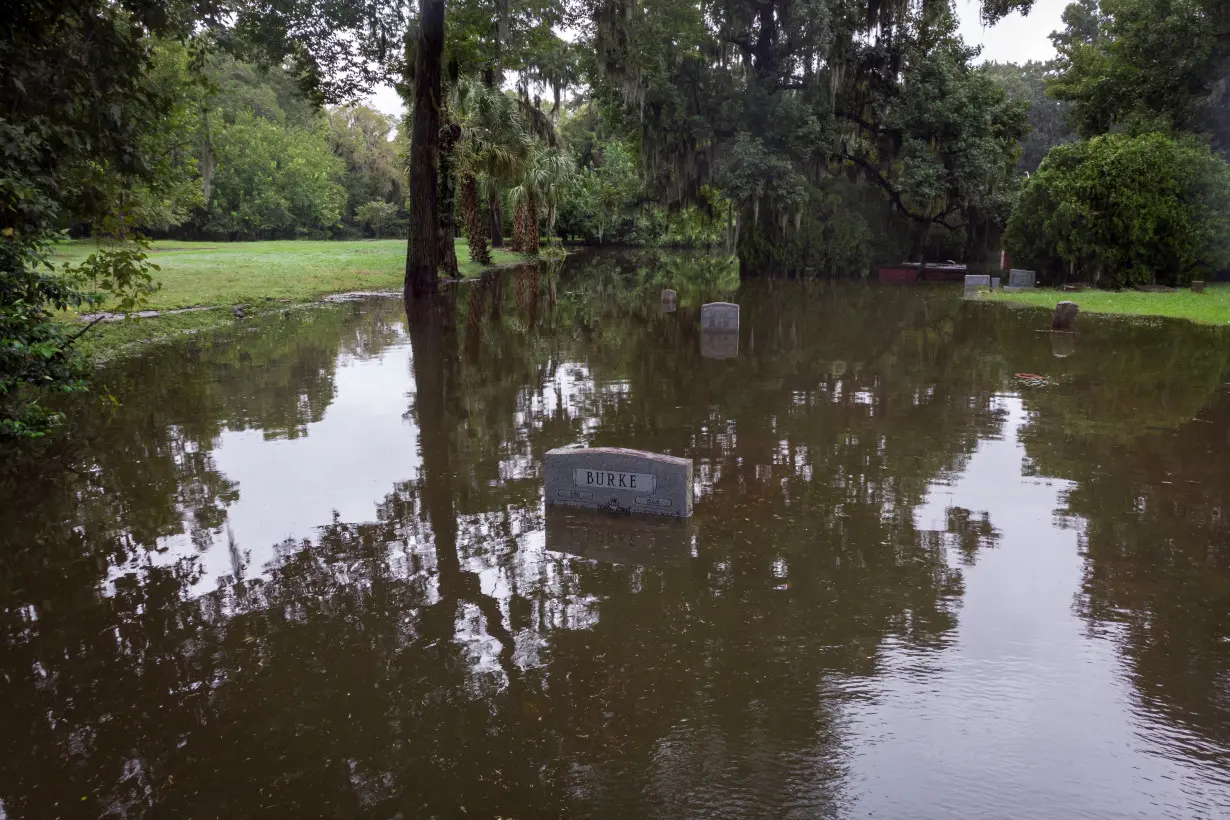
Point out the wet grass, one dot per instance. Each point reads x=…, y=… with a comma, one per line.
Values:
x=1211, y=307
x=231, y=273
x=265, y=276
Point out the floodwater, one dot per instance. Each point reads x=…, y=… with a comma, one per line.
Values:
x=303, y=568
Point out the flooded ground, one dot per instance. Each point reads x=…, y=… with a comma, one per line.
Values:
x=303, y=568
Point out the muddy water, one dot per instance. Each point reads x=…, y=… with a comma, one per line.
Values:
x=303, y=568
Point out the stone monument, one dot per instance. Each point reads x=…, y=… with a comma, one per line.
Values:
x=1197, y=286
x=670, y=301
x=619, y=481
x=722, y=316
x=974, y=281
x=619, y=539
x=994, y=283
x=1065, y=316
x=1018, y=278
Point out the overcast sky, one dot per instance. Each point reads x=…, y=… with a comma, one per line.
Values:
x=1015, y=39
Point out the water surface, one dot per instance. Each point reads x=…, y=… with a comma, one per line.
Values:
x=303, y=568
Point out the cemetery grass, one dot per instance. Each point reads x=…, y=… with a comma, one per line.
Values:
x=1211, y=307
x=262, y=275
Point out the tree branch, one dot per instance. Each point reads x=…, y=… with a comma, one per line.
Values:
x=895, y=196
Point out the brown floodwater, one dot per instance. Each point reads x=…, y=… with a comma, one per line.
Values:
x=943, y=564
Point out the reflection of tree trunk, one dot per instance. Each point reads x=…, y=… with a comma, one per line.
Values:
x=437, y=378
x=532, y=238
x=422, y=246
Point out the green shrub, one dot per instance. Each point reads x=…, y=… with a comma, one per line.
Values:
x=1124, y=211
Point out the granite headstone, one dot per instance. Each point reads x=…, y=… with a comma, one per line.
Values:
x=1065, y=316
x=722, y=316
x=1018, y=278
x=1197, y=286
x=619, y=481
x=974, y=281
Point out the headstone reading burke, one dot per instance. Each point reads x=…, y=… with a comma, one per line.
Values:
x=1018, y=278
x=619, y=481
x=719, y=316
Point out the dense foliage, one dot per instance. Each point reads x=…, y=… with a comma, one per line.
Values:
x=1123, y=211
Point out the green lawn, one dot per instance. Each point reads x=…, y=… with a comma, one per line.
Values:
x=231, y=273
x=1211, y=307
x=263, y=275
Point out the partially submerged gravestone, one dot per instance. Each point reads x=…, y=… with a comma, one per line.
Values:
x=1018, y=278
x=619, y=539
x=974, y=281
x=1063, y=345
x=670, y=301
x=1065, y=316
x=1197, y=286
x=619, y=481
x=721, y=316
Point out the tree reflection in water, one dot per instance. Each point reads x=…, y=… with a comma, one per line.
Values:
x=438, y=655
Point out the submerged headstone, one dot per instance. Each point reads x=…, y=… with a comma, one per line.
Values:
x=719, y=344
x=719, y=316
x=619, y=539
x=619, y=481
x=1018, y=278
x=670, y=301
x=1065, y=316
x=974, y=281
x=1197, y=286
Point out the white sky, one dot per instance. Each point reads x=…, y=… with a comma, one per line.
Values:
x=1014, y=39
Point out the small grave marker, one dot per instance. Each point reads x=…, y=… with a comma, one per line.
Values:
x=994, y=283
x=1065, y=316
x=719, y=316
x=1018, y=278
x=974, y=281
x=670, y=301
x=619, y=481
x=1197, y=286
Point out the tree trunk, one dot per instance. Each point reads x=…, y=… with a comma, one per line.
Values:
x=518, y=236
x=449, y=134
x=422, y=245
x=532, y=237
x=495, y=217
x=476, y=231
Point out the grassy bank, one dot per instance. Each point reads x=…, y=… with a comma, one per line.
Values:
x=263, y=275
x=1211, y=307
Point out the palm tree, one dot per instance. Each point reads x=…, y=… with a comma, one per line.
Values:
x=494, y=149
x=547, y=175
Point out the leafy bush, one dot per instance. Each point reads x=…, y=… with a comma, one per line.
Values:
x=1124, y=211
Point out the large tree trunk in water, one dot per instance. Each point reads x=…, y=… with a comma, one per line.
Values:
x=495, y=216
x=476, y=231
x=423, y=246
x=449, y=134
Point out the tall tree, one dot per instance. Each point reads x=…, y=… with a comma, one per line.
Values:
x=423, y=246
